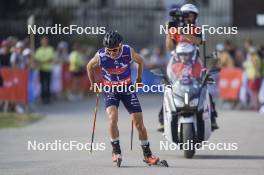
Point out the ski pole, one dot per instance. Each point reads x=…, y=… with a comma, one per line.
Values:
x=204, y=49
x=94, y=120
x=132, y=129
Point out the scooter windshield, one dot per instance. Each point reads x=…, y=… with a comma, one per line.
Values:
x=178, y=71
x=184, y=78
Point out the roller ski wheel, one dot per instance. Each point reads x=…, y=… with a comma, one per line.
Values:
x=117, y=158
x=152, y=160
x=163, y=163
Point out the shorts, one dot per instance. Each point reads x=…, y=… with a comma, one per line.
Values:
x=129, y=99
x=254, y=85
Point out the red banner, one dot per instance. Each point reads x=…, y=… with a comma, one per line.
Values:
x=85, y=84
x=15, y=85
x=229, y=83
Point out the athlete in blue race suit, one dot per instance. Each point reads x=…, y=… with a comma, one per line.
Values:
x=114, y=61
x=117, y=72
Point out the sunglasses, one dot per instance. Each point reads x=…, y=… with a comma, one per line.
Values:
x=112, y=50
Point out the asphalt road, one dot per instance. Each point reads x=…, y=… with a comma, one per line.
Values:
x=67, y=121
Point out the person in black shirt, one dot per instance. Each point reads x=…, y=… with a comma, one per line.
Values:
x=5, y=55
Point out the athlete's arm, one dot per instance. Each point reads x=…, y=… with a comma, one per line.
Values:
x=94, y=62
x=169, y=43
x=140, y=63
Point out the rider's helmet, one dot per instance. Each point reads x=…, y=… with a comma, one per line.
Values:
x=189, y=8
x=185, y=53
x=112, y=39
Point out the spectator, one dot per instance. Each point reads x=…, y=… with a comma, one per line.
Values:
x=225, y=59
x=62, y=52
x=230, y=48
x=261, y=92
x=252, y=70
x=61, y=56
x=17, y=59
x=44, y=57
x=247, y=45
x=12, y=40
x=239, y=58
x=76, y=68
x=5, y=54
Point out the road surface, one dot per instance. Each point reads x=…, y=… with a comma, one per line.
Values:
x=67, y=121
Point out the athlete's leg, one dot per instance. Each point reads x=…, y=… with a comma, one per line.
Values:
x=113, y=119
x=114, y=133
x=132, y=104
x=137, y=118
x=111, y=104
x=143, y=137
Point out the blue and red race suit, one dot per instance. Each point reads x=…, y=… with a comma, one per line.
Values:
x=117, y=72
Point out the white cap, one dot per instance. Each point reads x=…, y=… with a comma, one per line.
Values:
x=19, y=44
x=26, y=52
x=189, y=8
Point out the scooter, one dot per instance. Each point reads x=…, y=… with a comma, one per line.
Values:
x=186, y=108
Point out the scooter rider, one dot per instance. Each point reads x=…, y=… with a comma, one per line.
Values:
x=190, y=14
x=114, y=61
x=173, y=39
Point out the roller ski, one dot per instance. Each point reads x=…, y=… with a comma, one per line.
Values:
x=116, y=153
x=150, y=159
x=117, y=158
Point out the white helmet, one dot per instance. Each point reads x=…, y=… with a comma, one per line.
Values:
x=185, y=52
x=184, y=48
x=190, y=8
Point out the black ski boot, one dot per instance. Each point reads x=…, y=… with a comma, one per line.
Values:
x=116, y=153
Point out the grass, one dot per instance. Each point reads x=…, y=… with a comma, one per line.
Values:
x=14, y=120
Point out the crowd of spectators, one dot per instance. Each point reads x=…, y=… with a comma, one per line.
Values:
x=48, y=62
x=250, y=59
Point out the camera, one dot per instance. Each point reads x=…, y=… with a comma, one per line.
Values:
x=177, y=18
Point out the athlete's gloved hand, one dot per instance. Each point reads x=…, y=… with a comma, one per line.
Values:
x=94, y=89
x=138, y=83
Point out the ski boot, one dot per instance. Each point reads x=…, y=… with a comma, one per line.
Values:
x=116, y=153
x=151, y=159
